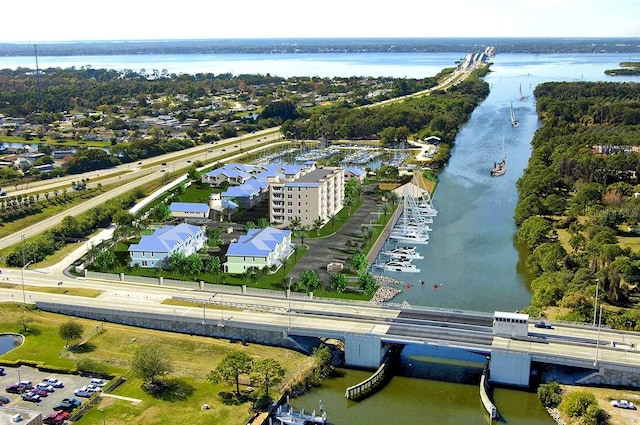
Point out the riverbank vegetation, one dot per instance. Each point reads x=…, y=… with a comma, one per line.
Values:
x=578, y=207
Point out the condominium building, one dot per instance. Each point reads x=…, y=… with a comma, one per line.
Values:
x=307, y=194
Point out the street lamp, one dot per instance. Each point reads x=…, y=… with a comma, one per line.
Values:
x=289, y=308
x=204, y=316
x=595, y=304
x=595, y=363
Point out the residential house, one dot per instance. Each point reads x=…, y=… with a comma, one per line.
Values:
x=257, y=249
x=353, y=172
x=153, y=250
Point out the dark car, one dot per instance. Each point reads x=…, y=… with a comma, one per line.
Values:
x=164, y=163
x=13, y=388
x=4, y=400
x=40, y=392
x=2, y=372
x=543, y=325
x=74, y=401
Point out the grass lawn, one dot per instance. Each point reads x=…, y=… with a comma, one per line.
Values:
x=192, y=357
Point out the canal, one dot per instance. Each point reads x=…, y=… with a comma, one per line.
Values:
x=472, y=257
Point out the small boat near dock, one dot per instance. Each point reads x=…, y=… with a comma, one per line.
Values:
x=402, y=253
x=397, y=266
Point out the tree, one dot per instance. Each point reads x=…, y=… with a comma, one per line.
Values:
x=267, y=372
x=333, y=218
x=339, y=282
x=309, y=280
x=123, y=218
x=317, y=225
x=70, y=330
x=151, y=361
x=550, y=394
x=575, y=404
x=229, y=370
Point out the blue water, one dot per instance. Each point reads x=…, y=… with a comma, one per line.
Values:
x=9, y=342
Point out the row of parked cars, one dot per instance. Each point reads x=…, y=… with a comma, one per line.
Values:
x=35, y=393
x=94, y=386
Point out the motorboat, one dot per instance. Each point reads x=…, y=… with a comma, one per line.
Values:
x=403, y=252
x=410, y=236
x=398, y=266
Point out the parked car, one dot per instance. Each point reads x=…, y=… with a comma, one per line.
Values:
x=623, y=404
x=2, y=372
x=4, y=400
x=40, y=392
x=91, y=388
x=98, y=382
x=29, y=396
x=73, y=401
x=543, y=325
x=13, y=388
x=54, y=382
x=81, y=392
x=45, y=386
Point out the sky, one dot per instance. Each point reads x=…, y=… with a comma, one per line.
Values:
x=37, y=21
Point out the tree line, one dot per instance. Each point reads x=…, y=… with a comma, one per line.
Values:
x=577, y=202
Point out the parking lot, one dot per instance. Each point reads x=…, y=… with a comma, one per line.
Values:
x=24, y=373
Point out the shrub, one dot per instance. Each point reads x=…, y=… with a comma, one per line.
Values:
x=550, y=394
x=576, y=404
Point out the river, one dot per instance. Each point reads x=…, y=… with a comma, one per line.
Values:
x=472, y=255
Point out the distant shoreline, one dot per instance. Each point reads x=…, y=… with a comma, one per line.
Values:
x=323, y=45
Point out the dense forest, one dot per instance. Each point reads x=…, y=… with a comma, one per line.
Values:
x=578, y=206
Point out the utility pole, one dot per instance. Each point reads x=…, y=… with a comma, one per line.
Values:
x=595, y=304
x=595, y=363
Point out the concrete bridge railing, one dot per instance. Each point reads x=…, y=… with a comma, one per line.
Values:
x=376, y=381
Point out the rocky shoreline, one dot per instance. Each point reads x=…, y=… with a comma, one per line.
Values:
x=384, y=293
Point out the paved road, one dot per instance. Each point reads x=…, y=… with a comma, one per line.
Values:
x=323, y=251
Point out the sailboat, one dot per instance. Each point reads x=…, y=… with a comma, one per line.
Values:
x=522, y=98
x=514, y=121
x=499, y=168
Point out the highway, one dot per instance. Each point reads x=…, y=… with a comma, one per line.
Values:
x=468, y=330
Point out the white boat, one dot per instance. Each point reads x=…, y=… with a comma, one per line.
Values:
x=403, y=252
x=514, y=121
x=522, y=98
x=499, y=168
x=410, y=237
x=398, y=266
x=291, y=417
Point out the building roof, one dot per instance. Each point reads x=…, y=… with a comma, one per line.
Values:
x=258, y=242
x=166, y=238
x=191, y=207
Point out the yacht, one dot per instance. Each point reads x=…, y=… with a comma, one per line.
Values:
x=398, y=266
x=403, y=252
x=410, y=236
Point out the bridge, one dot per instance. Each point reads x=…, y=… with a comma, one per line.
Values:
x=367, y=330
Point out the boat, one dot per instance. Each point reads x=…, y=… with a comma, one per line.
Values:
x=410, y=236
x=397, y=266
x=522, y=98
x=499, y=168
x=291, y=417
x=403, y=252
x=514, y=121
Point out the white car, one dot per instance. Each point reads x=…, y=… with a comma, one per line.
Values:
x=91, y=388
x=98, y=382
x=623, y=404
x=45, y=386
x=54, y=382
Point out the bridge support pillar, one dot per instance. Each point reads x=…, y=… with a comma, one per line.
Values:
x=363, y=350
x=510, y=368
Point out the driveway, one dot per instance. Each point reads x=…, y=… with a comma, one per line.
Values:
x=333, y=248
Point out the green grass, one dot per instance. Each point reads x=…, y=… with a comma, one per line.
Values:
x=192, y=357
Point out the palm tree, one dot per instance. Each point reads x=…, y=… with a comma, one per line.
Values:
x=333, y=218
x=284, y=261
x=296, y=248
x=349, y=203
x=386, y=208
x=295, y=224
x=317, y=225
x=302, y=235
